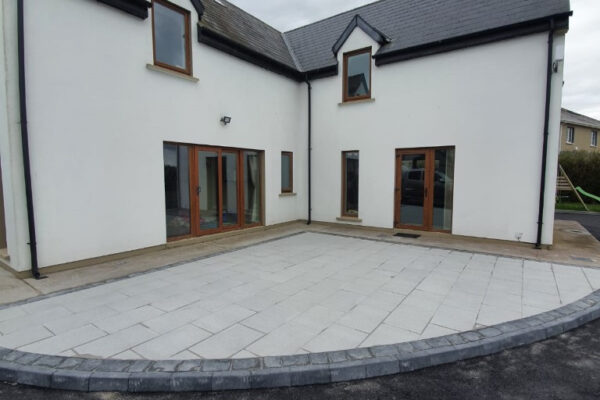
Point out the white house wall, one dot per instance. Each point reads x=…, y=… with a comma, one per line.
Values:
x=98, y=119
x=488, y=101
x=13, y=183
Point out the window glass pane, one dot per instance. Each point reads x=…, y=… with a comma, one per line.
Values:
x=252, y=196
x=208, y=189
x=177, y=189
x=570, y=135
x=286, y=166
x=351, y=183
x=359, y=70
x=169, y=36
x=412, y=202
x=230, y=189
x=443, y=190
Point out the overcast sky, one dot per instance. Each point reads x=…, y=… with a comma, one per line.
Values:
x=582, y=65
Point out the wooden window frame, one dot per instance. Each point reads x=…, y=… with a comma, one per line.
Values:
x=429, y=189
x=345, y=96
x=344, y=184
x=195, y=230
x=570, y=129
x=188, y=70
x=289, y=189
x=594, y=135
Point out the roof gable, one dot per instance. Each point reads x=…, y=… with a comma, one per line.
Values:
x=359, y=22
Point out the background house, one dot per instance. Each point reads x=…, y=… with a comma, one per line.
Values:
x=578, y=132
x=156, y=121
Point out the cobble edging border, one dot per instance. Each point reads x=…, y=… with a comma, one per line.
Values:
x=79, y=374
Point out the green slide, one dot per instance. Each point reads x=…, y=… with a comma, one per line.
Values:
x=586, y=194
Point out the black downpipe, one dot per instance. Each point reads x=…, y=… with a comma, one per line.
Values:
x=538, y=244
x=25, y=141
x=309, y=151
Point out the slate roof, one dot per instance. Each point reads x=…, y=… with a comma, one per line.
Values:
x=234, y=23
x=408, y=23
x=570, y=117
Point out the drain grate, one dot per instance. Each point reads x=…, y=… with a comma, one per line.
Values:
x=407, y=235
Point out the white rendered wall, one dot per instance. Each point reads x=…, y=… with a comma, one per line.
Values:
x=488, y=101
x=98, y=119
x=10, y=140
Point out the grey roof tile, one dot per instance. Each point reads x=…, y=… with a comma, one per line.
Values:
x=409, y=23
x=235, y=24
x=570, y=117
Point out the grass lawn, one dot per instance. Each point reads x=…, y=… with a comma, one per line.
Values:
x=577, y=206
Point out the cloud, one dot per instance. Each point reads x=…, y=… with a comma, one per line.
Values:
x=581, y=92
x=286, y=14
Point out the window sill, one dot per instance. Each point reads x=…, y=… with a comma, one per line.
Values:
x=167, y=71
x=288, y=194
x=350, y=219
x=345, y=103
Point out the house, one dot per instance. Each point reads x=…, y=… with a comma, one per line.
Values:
x=129, y=124
x=578, y=132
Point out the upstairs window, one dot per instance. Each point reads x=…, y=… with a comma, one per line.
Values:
x=357, y=75
x=287, y=172
x=594, y=138
x=570, y=135
x=171, y=33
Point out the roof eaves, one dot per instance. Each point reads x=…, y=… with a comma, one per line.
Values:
x=137, y=8
x=199, y=8
x=227, y=45
x=572, y=118
x=387, y=56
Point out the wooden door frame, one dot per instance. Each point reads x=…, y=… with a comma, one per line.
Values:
x=428, y=188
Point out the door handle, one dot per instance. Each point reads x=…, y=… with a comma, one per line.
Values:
x=198, y=190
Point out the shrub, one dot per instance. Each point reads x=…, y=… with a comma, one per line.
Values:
x=583, y=168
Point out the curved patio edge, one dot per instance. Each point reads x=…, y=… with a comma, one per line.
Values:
x=80, y=374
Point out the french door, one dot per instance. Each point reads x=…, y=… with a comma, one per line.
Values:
x=424, y=192
x=211, y=189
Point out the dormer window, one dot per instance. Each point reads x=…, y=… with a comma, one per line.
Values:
x=357, y=75
x=171, y=33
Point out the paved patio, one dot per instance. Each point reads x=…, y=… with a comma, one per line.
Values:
x=309, y=292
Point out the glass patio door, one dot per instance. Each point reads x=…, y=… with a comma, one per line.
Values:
x=424, y=189
x=411, y=170
x=211, y=189
x=230, y=215
x=208, y=190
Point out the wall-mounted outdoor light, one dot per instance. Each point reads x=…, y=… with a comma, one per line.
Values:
x=226, y=120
